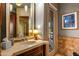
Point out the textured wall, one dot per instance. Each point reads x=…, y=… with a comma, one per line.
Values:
x=68, y=45
x=64, y=9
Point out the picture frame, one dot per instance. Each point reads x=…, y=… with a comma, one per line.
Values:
x=69, y=21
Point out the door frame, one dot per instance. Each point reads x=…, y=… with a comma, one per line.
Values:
x=51, y=7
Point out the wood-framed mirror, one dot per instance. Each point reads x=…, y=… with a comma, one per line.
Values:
x=51, y=28
x=21, y=20
x=2, y=22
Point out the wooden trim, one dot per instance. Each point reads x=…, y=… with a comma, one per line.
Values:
x=68, y=37
x=24, y=16
x=45, y=21
x=53, y=7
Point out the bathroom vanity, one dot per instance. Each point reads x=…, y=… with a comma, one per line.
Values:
x=27, y=48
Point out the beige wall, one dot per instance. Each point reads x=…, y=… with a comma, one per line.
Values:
x=40, y=17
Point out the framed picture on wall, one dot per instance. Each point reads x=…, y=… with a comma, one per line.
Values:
x=69, y=21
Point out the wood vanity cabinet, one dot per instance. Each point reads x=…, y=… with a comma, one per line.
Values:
x=38, y=51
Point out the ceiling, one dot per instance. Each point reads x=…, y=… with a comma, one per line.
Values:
x=22, y=6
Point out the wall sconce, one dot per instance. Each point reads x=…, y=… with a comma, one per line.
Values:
x=38, y=26
x=36, y=33
x=26, y=7
x=11, y=7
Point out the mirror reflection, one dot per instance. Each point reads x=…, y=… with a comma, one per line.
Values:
x=21, y=19
x=12, y=20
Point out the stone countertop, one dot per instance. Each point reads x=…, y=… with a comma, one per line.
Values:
x=21, y=47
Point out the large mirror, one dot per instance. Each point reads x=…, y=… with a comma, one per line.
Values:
x=21, y=19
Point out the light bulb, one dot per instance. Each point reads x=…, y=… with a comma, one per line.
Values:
x=11, y=7
x=18, y=4
x=38, y=26
x=26, y=7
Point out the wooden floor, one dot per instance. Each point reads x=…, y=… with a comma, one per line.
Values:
x=58, y=54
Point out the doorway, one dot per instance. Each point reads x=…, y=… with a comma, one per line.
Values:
x=24, y=22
